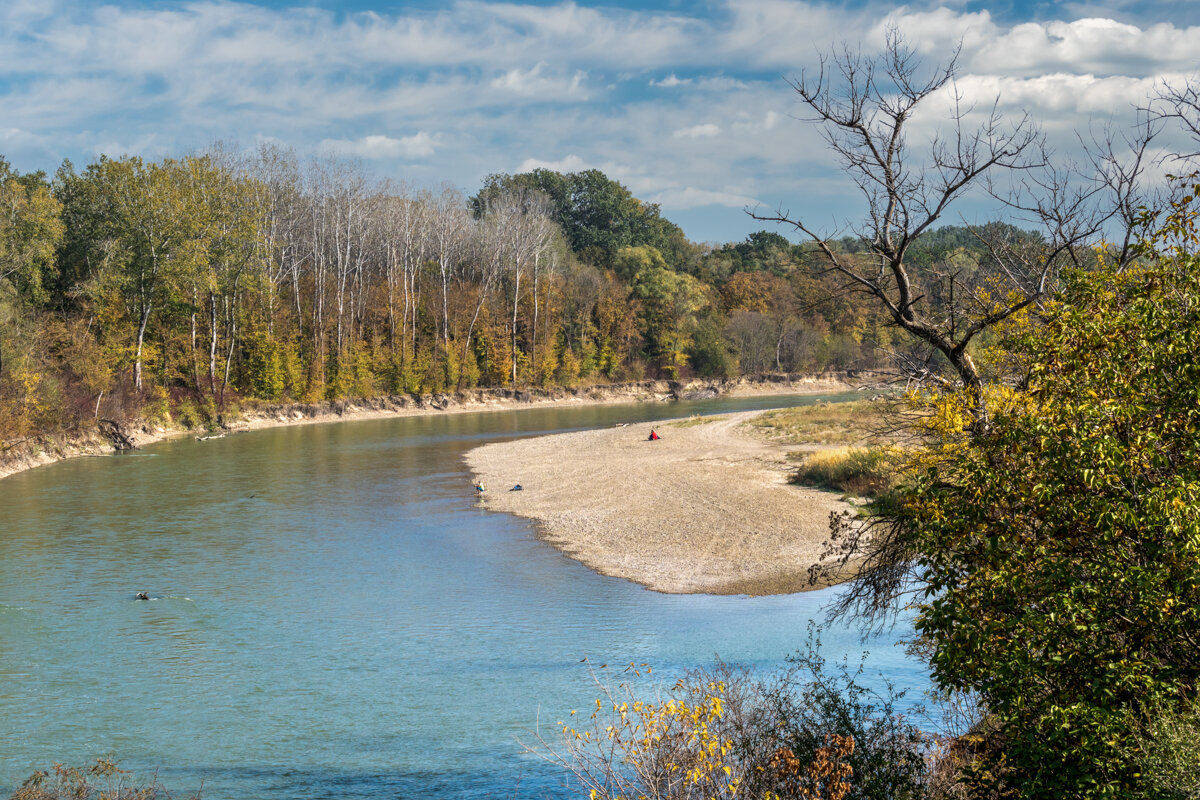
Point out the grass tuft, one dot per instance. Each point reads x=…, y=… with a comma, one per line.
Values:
x=862, y=471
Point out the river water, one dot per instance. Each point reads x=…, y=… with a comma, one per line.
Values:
x=333, y=615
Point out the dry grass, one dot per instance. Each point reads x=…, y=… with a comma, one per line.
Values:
x=856, y=422
x=862, y=471
x=694, y=420
x=103, y=780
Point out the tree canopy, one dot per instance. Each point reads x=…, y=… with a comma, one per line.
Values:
x=1057, y=553
x=598, y=215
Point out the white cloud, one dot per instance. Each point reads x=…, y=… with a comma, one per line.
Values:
x=538, y=82
x=17, y=139
x=670, y=82
x=691, y=197
x=146, y=145
x=704, y=131
x=419, y=145
x=1098, y=46
x=568, y=86
x=746, y=124
x=1059, y=92
x=571, y=163
x=936, y=33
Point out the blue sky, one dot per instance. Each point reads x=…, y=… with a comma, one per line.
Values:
x=685, y=103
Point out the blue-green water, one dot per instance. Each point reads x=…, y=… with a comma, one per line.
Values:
x=334, y=617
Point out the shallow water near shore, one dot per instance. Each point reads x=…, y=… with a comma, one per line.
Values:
x=333, y=615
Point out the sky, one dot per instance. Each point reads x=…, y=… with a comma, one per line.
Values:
x=686, y=103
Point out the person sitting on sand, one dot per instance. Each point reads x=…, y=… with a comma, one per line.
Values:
x=654, y=437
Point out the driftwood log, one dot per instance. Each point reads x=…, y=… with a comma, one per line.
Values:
x=115, y=432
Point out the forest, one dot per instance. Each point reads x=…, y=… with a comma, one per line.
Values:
x=175, y=288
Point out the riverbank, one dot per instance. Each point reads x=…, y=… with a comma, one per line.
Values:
x=43, y=450
x=705, y=509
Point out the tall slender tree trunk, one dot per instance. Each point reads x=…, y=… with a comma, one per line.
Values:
x=141, y=338
x=516, y=306
x=212, y=344
x=533, y=334
x=194, y=342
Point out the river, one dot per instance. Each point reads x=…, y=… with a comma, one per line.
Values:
x=333, y=615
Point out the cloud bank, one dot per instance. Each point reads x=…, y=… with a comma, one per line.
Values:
x=688, y=108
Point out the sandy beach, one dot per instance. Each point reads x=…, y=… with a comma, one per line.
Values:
x=706, y=509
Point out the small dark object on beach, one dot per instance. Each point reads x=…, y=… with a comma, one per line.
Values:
x=143, y=596
x=516, y=488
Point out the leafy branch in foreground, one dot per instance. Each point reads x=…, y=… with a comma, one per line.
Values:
x=1053, y=559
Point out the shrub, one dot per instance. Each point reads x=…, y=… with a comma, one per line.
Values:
x=808, y=732
x=816, y=700
x=100, y=781
x=1055, y=549
x=709, y=353
x=265, y=373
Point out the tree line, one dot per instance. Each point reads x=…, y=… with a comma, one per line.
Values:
x=193, y=282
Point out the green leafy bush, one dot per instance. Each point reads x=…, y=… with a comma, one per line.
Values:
x=1058, y=547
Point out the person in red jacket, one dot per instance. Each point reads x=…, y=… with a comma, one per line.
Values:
x=654, y=437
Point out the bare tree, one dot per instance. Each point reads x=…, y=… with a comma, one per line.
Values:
x=523, y=217
x=1179, y=104
x=408, y=222
x=864, y=106
x=448, y=238
x=486, y=257
x=277, y=175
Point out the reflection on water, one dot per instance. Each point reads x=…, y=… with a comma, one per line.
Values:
x=334, y=615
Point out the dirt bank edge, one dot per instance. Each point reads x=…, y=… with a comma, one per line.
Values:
x=41, y=450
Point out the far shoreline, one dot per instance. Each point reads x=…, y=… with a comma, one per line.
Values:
x=49, y=449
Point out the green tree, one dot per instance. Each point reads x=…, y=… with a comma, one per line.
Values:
x=132, y=242
x=671, y=303
x=222, y=248
x=598, y=216
x=709, y=351
x=1058, y=552
x=628, y=262
x=30, y=229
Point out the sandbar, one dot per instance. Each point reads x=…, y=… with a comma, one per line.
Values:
x=706, y=509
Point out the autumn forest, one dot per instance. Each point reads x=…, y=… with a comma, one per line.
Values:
x=172, y=289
